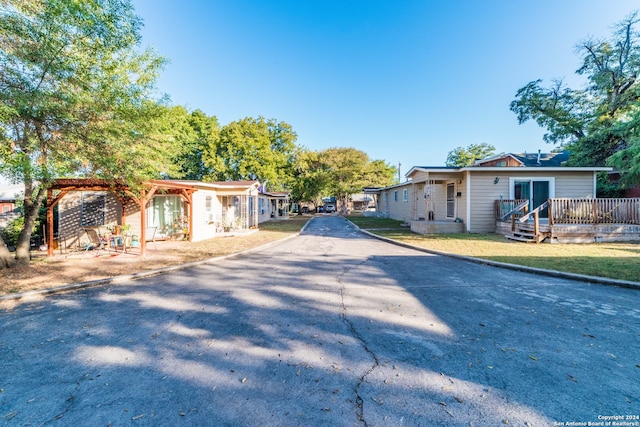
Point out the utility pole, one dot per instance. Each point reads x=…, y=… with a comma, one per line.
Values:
x=399, y=179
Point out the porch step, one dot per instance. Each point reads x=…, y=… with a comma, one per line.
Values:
x=527, y=236
x=523, y=233
x=520, y=238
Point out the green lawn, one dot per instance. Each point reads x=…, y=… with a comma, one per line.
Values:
x=612, y=260
x=293, y=224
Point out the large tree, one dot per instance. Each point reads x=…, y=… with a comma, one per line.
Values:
x=461, y=156
x=310, y=177
x=251, y=149
x=338, y=172
x=599, y=123
x=75, y=97
x=206, y=133
x=349, y=170
x=189, y=135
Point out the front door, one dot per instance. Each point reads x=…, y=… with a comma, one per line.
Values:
x=540, y=194
x=451, y=201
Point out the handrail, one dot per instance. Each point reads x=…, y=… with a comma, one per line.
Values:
x=537, y=210
x=521, y=206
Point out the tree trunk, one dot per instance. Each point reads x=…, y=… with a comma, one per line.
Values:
x=6, y=260
x=31, y=206
x=344, y=200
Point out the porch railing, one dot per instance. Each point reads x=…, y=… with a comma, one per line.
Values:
x=517, y=211
x=535, y=213
x=505, y=208
x=594, y=211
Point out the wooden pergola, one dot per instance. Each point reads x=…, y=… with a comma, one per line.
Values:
x=123, y=193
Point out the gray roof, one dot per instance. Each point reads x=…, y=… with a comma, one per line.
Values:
x=542, y=159
x=437, y=167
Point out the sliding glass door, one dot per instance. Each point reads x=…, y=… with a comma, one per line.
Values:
x=167, y=214
x=536, y=190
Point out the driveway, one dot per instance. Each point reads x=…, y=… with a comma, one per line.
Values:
x=329, y=328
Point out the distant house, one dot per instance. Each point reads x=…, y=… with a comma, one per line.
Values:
x=476, y=199
x=7, y=204
x=360, y=202
x=273, y=205
x=9, y=194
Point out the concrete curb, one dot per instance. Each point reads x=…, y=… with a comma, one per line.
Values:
x=533, y=270
x=139, y=275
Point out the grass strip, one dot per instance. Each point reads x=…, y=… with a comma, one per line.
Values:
x=612, y=260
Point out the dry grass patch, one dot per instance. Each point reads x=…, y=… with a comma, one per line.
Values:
x=76, y=267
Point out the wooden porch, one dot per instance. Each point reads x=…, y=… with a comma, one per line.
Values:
x=569, y=220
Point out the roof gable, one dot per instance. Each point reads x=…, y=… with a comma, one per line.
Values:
x=500, y=160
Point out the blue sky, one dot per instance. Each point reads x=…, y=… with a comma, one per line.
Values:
x=405, y=81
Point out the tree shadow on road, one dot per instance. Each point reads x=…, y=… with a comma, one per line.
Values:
x=341, y=340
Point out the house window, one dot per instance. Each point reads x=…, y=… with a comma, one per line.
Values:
x=6, y=208
x=208, y=202
x=261, y=205
x=395, y=195
x=93, y=209
x=405, y=195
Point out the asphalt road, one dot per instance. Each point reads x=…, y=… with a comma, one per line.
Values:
x=329, y=328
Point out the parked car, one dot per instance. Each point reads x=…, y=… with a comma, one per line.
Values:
x=329, y=208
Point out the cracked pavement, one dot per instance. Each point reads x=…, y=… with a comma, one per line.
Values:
x=329, y=328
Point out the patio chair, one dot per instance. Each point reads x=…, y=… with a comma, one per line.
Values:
x=219, y=224
x=94, y=239
x=117, y=241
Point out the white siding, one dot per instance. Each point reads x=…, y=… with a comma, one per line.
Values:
x=575, y=184
x=398, y=209
x=203, y=227
x=461, y=201
x=264, y=209
x=484, y=191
